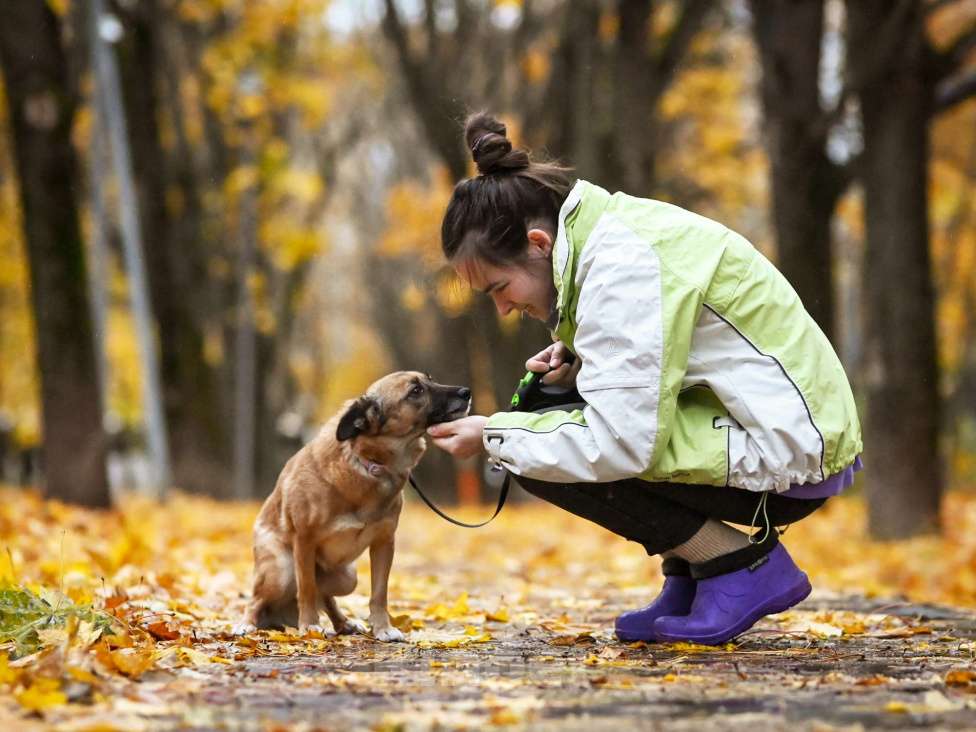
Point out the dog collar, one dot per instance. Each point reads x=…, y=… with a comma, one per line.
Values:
x=375, y=469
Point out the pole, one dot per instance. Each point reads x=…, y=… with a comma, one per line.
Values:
x=108, y=98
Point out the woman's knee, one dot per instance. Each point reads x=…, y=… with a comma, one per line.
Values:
x=784, y=510
x=538, y=488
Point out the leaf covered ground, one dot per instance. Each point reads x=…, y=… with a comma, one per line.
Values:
x=121, y=620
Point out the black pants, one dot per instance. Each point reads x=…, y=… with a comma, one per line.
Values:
x=661, y=516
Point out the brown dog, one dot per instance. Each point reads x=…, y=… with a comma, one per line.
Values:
x=338, y=495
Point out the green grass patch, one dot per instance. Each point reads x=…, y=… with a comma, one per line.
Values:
x=24, y=613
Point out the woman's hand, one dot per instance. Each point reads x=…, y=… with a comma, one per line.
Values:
x=462, y=437
x=552, y=359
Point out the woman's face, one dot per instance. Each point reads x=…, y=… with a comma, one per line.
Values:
x=526, y=287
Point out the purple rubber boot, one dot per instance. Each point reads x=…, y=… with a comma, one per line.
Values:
x=675, y=599
x=727, y=604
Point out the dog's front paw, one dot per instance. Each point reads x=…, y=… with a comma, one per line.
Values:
x=350, y=626
x=311, y=629
x=388, y=634
x=243, y=628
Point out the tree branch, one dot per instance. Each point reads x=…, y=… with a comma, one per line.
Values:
x=933, y=6
x=950, y=93
x=430, y=26
x=885, y=42
x=437, y=111
x=945, y=63
x=676, y=45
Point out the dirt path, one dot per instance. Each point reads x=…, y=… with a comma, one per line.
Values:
x=508, y=626
x=834, y=662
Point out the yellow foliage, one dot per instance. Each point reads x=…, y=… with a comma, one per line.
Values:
x=303, y=185
x=716, y=140
x=536, y=64
x=125, y=384
x=412, y=298
x=240, y=179
x=453, y=296
x=609, y=26
x=7, y=675
x=42, y=694
x=953, y=233
x=356, y=366
x=414, y=212
x=19, y=388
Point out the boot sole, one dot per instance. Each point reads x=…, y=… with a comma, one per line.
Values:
x=778, y=604
x=633, y=637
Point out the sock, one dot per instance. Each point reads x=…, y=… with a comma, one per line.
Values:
x=751, y=557
x=712, y=540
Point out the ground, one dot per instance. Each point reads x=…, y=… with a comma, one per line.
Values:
x=509, y=626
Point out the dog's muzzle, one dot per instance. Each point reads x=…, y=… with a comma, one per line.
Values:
x=456, y=404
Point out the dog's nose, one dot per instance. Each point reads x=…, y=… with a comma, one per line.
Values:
x=464, y=392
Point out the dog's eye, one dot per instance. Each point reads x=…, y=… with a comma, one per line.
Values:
x=417, y=390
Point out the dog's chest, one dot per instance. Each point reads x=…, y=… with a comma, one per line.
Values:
x=348, y=535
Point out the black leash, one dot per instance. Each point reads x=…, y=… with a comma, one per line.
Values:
x=530, y=395
x=501, y=502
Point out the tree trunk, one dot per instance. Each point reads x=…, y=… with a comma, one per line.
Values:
x=41, y=110
x=175, y=253
x=903, y=479
x=804, y=183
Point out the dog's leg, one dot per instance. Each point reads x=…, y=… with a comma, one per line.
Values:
x=282, y=615
x=380, y=562
x=273, y=580
x=334, y=582
x=342, y=624
x=303, y=553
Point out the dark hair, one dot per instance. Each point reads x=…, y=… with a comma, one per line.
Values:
x=489, y=214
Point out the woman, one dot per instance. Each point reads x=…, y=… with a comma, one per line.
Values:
x=711, y=395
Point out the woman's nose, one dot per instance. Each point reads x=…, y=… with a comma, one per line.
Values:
x=503, y=306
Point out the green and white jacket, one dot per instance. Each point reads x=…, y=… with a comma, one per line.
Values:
x=699, y=363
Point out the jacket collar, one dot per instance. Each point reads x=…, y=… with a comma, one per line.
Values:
x=562, y=252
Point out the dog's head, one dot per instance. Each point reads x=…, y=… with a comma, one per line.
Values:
x=401, y=404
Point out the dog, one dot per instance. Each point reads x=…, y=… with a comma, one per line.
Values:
x=338, y=495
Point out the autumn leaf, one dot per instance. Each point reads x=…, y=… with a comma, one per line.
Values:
x=501, y=615
x=42, y=694
x=7, y=674
x=164, y=630
x=132, y=662
x=955, y=677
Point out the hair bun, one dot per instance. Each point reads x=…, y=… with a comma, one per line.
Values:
x=490, y=148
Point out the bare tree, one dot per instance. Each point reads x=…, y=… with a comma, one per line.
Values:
x=805, y=184
x=176, y=251
x=901, y=83
x=42, y=104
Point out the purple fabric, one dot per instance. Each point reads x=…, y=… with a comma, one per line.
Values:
x=830, y=487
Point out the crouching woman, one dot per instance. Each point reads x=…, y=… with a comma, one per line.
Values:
x=711, y=395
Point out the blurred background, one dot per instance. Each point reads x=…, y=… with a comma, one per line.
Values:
x=219, y=219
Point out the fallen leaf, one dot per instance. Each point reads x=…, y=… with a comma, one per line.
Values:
x=955, y=677
x=164, y=630
x=7, y=675
x=501, y=615
x=132, y=662
x=42, y=694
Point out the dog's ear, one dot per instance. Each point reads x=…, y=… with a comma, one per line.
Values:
x=362, y=415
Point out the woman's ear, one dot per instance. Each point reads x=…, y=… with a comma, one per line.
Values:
x=541, y=241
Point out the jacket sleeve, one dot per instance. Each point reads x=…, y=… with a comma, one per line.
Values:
x=619, y=337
